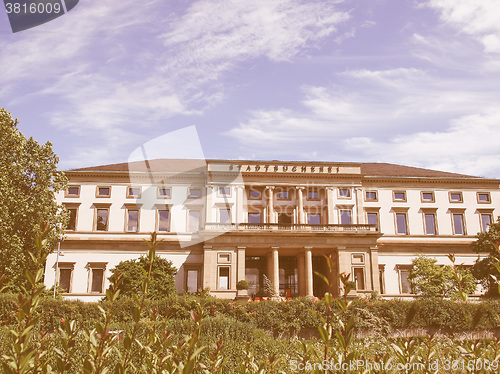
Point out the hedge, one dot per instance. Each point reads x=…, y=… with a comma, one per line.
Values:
x=285, y=319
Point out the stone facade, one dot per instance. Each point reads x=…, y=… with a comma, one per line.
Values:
x=224, y=221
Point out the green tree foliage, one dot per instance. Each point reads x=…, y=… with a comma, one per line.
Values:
x=484, y=268
x=134, y=272
x=431, y=280
x=28, y=180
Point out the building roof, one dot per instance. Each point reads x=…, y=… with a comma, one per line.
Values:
x=374, y=169
x=164, y=165
x=377, y=169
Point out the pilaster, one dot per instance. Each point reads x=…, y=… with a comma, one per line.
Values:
x=241, y=263
x=330, y=204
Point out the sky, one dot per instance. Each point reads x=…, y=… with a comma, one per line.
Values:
x=407, y=82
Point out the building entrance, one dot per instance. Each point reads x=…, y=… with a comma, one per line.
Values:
x=289, y=285
x=319, y=286
x=255, y=268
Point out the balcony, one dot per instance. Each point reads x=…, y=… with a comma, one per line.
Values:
x=288, y=227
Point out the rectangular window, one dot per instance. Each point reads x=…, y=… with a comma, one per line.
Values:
x=194, y=193
x=225, y=191
x=96, y=281
x=314, y=219
x=72, y=212
x=164, y=193
x=192, y=277
x=458, y=224
x=345, y=216
x=371, y=196
x=359, y=278
x=254, y=194
x=456, y=197
x=224, y=215
x=485, y=221
x=312, y=195
x=103, y=192
x=401, y=224
x=284, y=195
x=163, y=220
x=72, y=191
x=285, y=219
x=483, y=197
x=430, y=223
x=427, y=197
x=132, y=220
x=372, y=218
x=223, y=277
x=194, y=221
x=399, y=196
x=404, y=283
x=381, y=278
x=65, y=278
x=345, y=192
x=254, y=218
x=101, y=219
x=134, y=192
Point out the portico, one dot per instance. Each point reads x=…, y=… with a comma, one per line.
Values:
x=291, y=262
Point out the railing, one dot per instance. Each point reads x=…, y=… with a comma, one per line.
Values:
x=287, y=227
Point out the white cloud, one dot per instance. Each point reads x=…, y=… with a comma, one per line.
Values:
x=103, y=67
x=469, y=145
x=402, y=115
x=213, y=36
x=480, y=19
x=69, y=42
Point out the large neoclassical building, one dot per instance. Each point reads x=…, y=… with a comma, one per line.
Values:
x=223, y=221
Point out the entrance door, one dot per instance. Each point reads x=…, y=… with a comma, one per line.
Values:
x=288, y=276
x=319, y=286
x=255, y=268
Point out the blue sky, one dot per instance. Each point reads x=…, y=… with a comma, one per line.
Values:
x=408, y=82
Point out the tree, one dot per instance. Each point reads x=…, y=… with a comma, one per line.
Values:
x=431, y=280
x=484, y=269
x=134, y=272
x=28, y=180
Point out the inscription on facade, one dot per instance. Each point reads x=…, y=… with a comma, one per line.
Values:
x=299, y=169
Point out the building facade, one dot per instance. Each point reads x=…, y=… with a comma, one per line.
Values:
x=225, y=221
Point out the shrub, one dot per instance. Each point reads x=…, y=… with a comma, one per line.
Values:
x=242, y=285
x=134, y=273
x=431, y=280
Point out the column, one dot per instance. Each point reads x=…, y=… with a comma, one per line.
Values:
x=301, y=274
x=333, y=277
x=270, y=204
x=276, y=271
x=300, y=204
x=240, y=204
x=309, y=272
x=330, y=204
x=270, y=266
x=241, y=263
